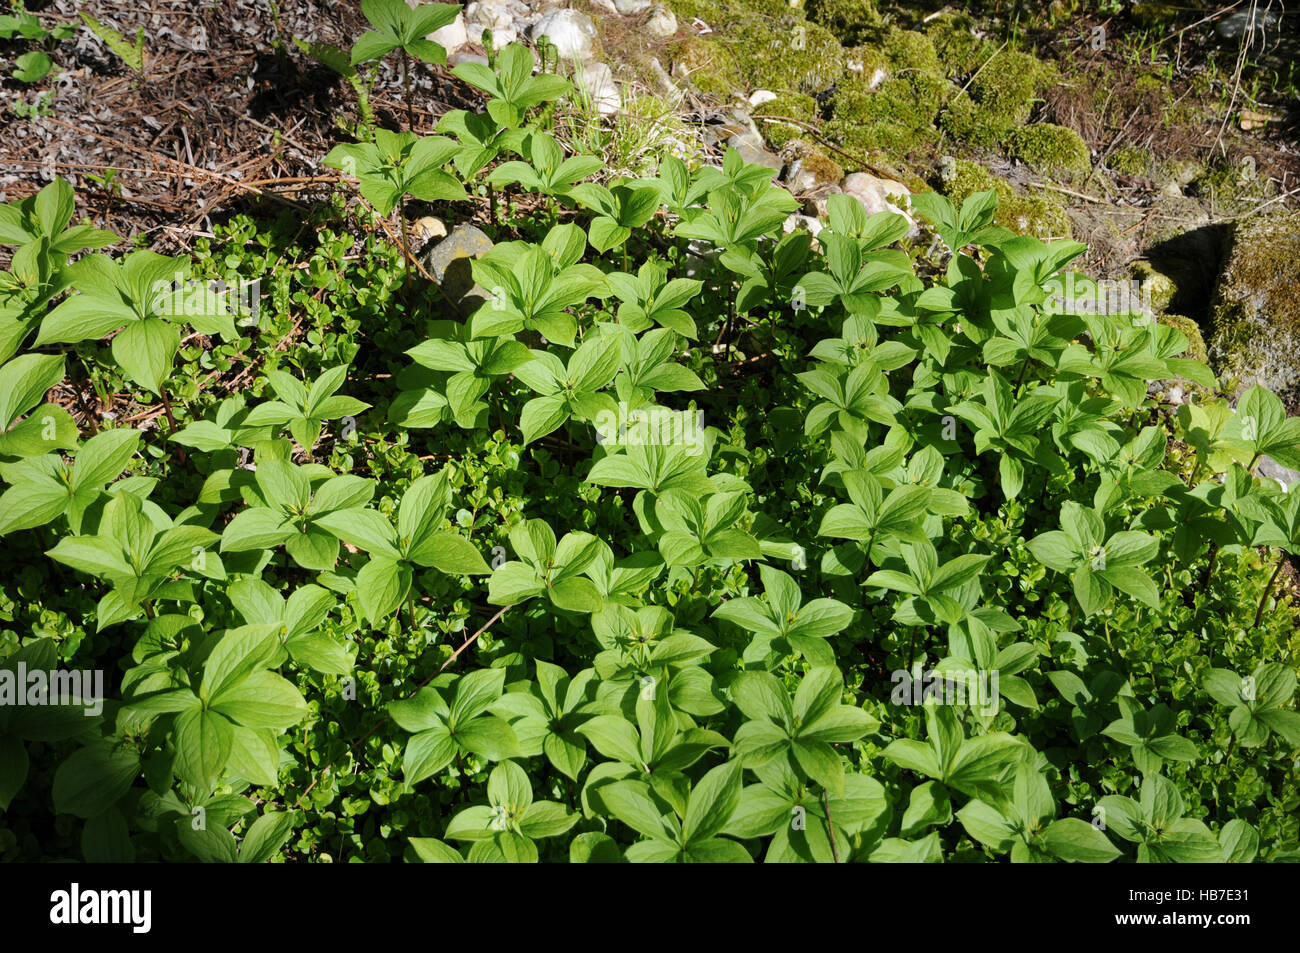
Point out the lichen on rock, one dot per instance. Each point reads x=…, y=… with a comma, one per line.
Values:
x=1050, y=149
x=1256, y=311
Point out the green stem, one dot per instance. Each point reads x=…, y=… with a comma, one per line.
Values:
x=171, y=419
x=1259, y=613
x=406, y=249
x=406, y=81
x=911, y=649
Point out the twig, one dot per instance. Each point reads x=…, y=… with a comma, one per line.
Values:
x=379, y=724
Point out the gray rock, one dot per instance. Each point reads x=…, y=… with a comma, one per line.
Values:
x=666, y=89
x=750, y=147
x=662, y=23
x=448, y=262
x=494, y=15
x=572, y=33
x=460, y=56
x=1256, y=311
x=630, y=7
x=1268, y=467
x=597, y=81
x=1235, y=25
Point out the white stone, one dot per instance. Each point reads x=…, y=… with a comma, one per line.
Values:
x=662, y=23
x=452, y=36
x=630, y=7
x=597, y=80
x=878, y=195
x=760, y=96
x=461, y=56
x=571, y=32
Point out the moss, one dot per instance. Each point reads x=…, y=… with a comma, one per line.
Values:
x=793, y=105
x=1034, y=215
x=967, y=178
x=1050, y=149
x=817, y=169
x=1256, y=311
x=864, y=61
x=709, y=66
x=1196, y=341
x=907, y=49
x=998, y=100
x=786, y=53
x=1130, y=160
x=955, y=44
x=850, y=20
x=1161, y=288
x=896, y=117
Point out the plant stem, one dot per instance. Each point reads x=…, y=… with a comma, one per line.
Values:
x=911, y=648
x=171, y=419
x=410, y=604
x=830, y=826
x=406, y=81
x=406, y=250
x=1209, y=568
x=1259, y=613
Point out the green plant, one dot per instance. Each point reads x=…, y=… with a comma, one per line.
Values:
x=808, y=595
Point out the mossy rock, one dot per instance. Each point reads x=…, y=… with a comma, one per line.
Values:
x=1256, y=311
x=786, y=54
x=1172, y=283
x=956, y=45
x=999, y=99
x=793, y=105
x=1035, y=215
x=851, y=20
x=1050, y=149
x=718, y=13
x=896, y=117
x=909, y=50
x=864, y=63
x=709, y=66
x=1130, y=160
x=1196, y=341
x=814, y=169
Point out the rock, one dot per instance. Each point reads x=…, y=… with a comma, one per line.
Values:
x=665, y=88
x=1255, y=310
x=597, y=81
x=427, y=229
x=760, y=96
x=1235, y=26
x=572, y=33
x=878, y=195
x=811, y=172
x=631, y=7
x=662, y=23
x=448, y=262
x=1268, y=467
x=452, y=36
x=750, y=147
x=797, y=221
x=494, y=15
x=460, y=56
